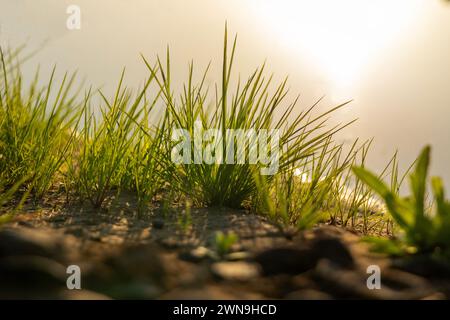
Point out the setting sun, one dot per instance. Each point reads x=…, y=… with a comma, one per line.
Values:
x=340, y=37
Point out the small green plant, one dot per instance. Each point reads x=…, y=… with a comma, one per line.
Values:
x=185, y=218
x=422, y=231
x=224, y=241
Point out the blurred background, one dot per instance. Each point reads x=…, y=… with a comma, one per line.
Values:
x=391, y=56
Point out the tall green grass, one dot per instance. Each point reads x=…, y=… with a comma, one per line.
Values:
x=357, y=206
x=37, y=126
x=305, y=194
x=52, y=133
x=251, y=105
x=118, y=151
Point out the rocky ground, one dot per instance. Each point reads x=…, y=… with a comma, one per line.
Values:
x=123, y=255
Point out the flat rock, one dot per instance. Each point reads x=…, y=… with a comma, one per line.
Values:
x=240, y=271
x=395, y=285
x=24, y=241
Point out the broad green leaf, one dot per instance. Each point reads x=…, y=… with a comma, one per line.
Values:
x=418, y=182
x=443, y=209
x=372, y=181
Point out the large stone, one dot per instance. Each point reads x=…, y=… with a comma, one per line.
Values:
x=395, y=285
x=25, y=241
x=239, y=271
x=334, y=250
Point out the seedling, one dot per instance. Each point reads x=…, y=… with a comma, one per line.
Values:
x=224, y=241
x=422, y=231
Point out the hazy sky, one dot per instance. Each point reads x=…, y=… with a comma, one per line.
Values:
x=391, y=56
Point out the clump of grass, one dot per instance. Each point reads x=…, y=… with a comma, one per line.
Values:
x=37, y=127
x=249, y=106
x=349, y=194
x=323, y=188
x=142, y=176
x=354, y=204
x=421, y=231
x=117, y=151
x=303, y=195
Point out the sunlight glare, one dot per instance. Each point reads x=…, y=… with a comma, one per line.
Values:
x=339, y=37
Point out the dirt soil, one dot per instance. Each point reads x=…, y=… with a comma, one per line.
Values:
x=125, y=255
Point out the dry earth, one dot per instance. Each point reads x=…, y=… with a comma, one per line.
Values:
x=123, y=255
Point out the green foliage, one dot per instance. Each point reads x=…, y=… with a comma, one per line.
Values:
x=224, y=241
x=296, y=196
x=119, y=151
x=49, y=136
x=249, y=106
x=354, y=203
x=422, y=231
x=185, y=218
x=37, y=127
x=319, y=188
x=52, y=136
x=6, y=195
x=145, y=174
